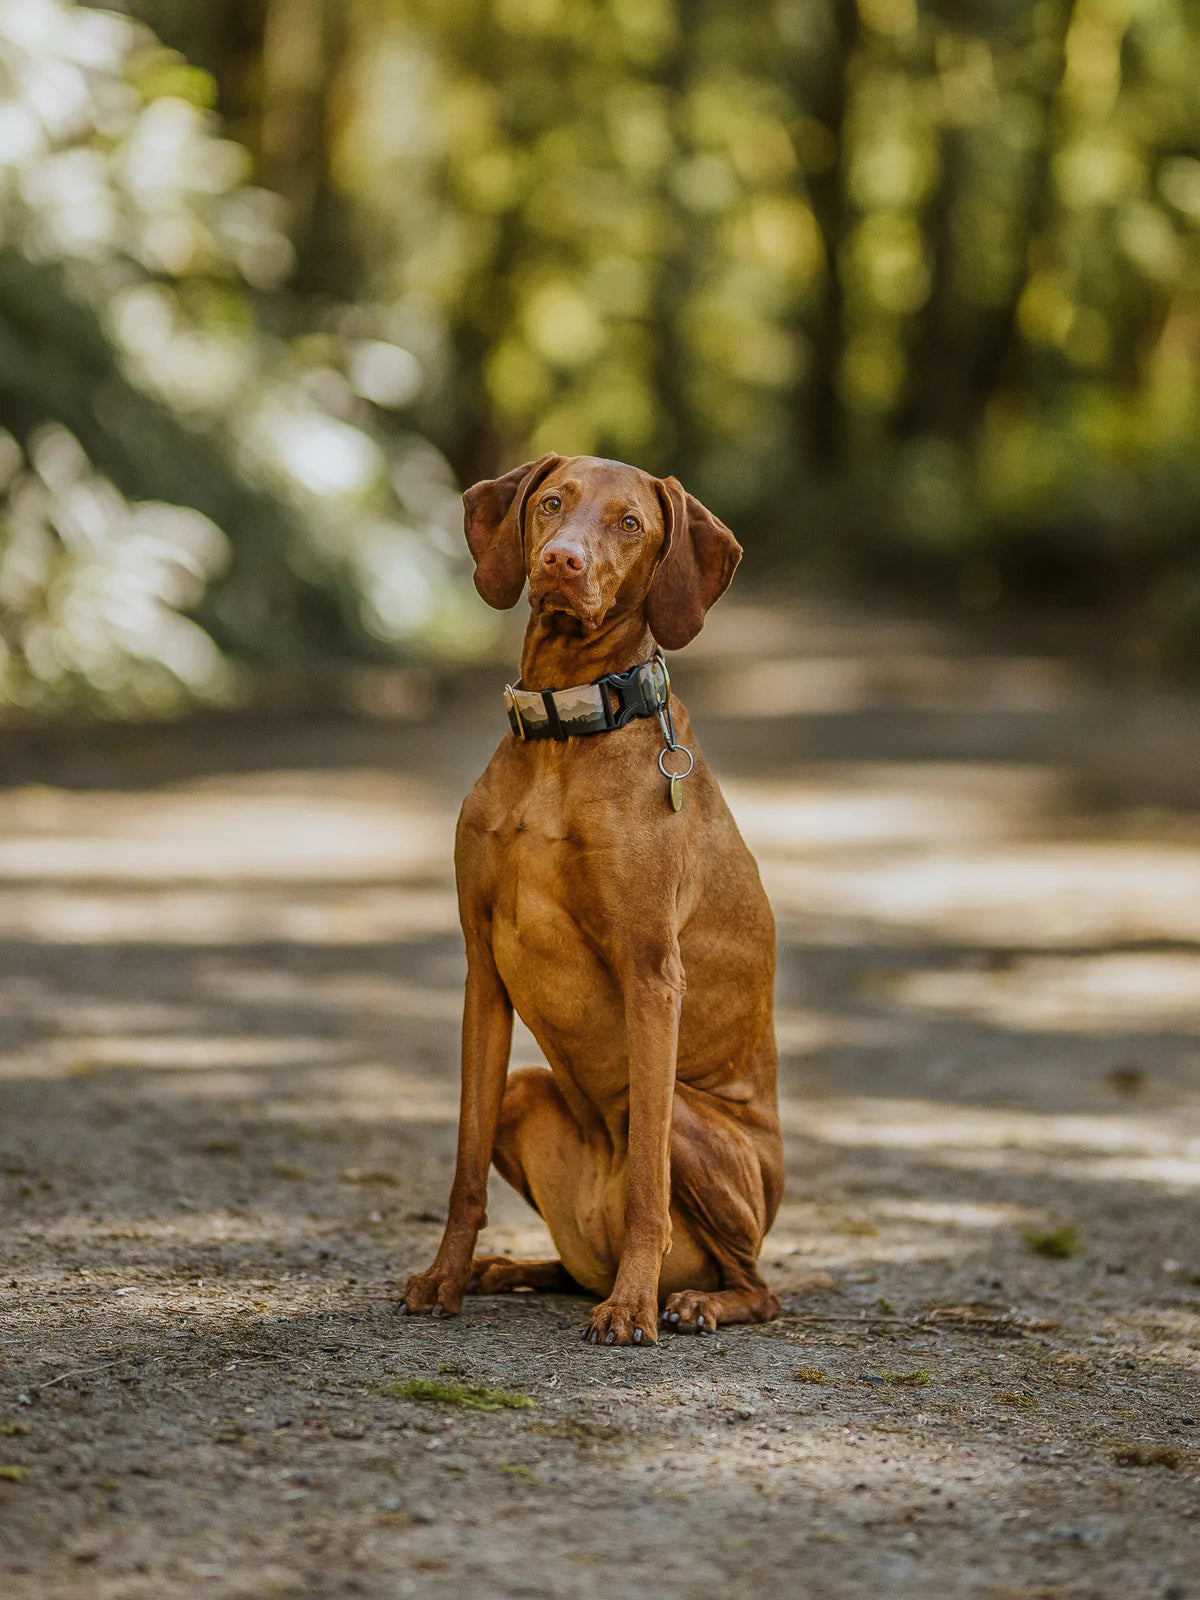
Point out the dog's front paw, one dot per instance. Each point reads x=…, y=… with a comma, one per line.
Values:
x=433, y=1293
x=623, y=1322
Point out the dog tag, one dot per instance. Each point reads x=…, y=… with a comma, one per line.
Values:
x=674, y=779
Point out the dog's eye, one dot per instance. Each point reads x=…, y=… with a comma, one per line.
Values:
x=552, y=502
x=630, y=523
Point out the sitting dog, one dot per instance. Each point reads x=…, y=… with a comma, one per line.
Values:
x=606, y=894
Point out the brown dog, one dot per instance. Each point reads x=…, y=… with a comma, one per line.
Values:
x=623, y=918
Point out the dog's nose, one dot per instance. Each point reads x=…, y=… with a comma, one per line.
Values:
x=563, y=560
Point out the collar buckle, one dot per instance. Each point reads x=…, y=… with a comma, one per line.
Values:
x=643, y=691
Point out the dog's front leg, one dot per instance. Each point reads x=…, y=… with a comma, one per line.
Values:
x=486, y=1042
x=653, y=993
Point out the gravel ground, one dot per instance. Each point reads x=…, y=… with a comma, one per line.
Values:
x=229, y=992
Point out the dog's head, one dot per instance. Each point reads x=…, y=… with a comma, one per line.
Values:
x=595, y=538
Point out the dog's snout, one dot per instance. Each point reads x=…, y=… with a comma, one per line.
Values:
x=564, y=560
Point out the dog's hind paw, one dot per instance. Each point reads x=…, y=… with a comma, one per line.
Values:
x=692, y=1311
x=703, y=1310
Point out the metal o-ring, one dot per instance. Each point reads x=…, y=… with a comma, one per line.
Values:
x=683, y=750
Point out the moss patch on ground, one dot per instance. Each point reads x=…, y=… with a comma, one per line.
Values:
x=450, y=1392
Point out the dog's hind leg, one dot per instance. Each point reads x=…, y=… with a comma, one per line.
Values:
x=542, y=1152
x=724, y=1184
x=498, y=1274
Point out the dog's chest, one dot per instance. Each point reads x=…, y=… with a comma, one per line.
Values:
x=536, y=854
x=543, y=868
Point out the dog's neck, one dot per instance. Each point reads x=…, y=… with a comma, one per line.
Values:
x=558, y=653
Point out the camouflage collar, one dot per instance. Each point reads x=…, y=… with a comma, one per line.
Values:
x=598, y=707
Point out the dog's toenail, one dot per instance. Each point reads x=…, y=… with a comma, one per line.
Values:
x=609, y=1337
x=699, y=1322
x=637, y=1336
x=673, y=1316
x=437, y=1310
x=402, y=1309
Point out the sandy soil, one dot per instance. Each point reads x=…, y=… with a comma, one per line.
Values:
x=229, y=989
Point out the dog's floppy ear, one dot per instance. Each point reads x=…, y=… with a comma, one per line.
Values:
x=699, y=558
x=494, y=523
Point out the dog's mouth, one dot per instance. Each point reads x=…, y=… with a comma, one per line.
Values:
x=562, y=603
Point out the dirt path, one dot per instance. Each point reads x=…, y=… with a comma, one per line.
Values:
x=229, y=990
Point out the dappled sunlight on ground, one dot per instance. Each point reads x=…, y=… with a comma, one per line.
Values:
x=1010, y=894
x=879, y=806
x=914, y=1124
x=87, y=1053
x=845, y=1237
x=376, y=996
x=1081, y=993
x=229, y=1011
x=203, y=917
x=359, y=829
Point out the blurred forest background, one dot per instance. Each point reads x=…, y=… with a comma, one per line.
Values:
x=899, y=288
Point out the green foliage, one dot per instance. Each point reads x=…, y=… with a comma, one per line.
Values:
x=621, y=244
x=923, y=281
x=138, y=378
x=912, y=283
